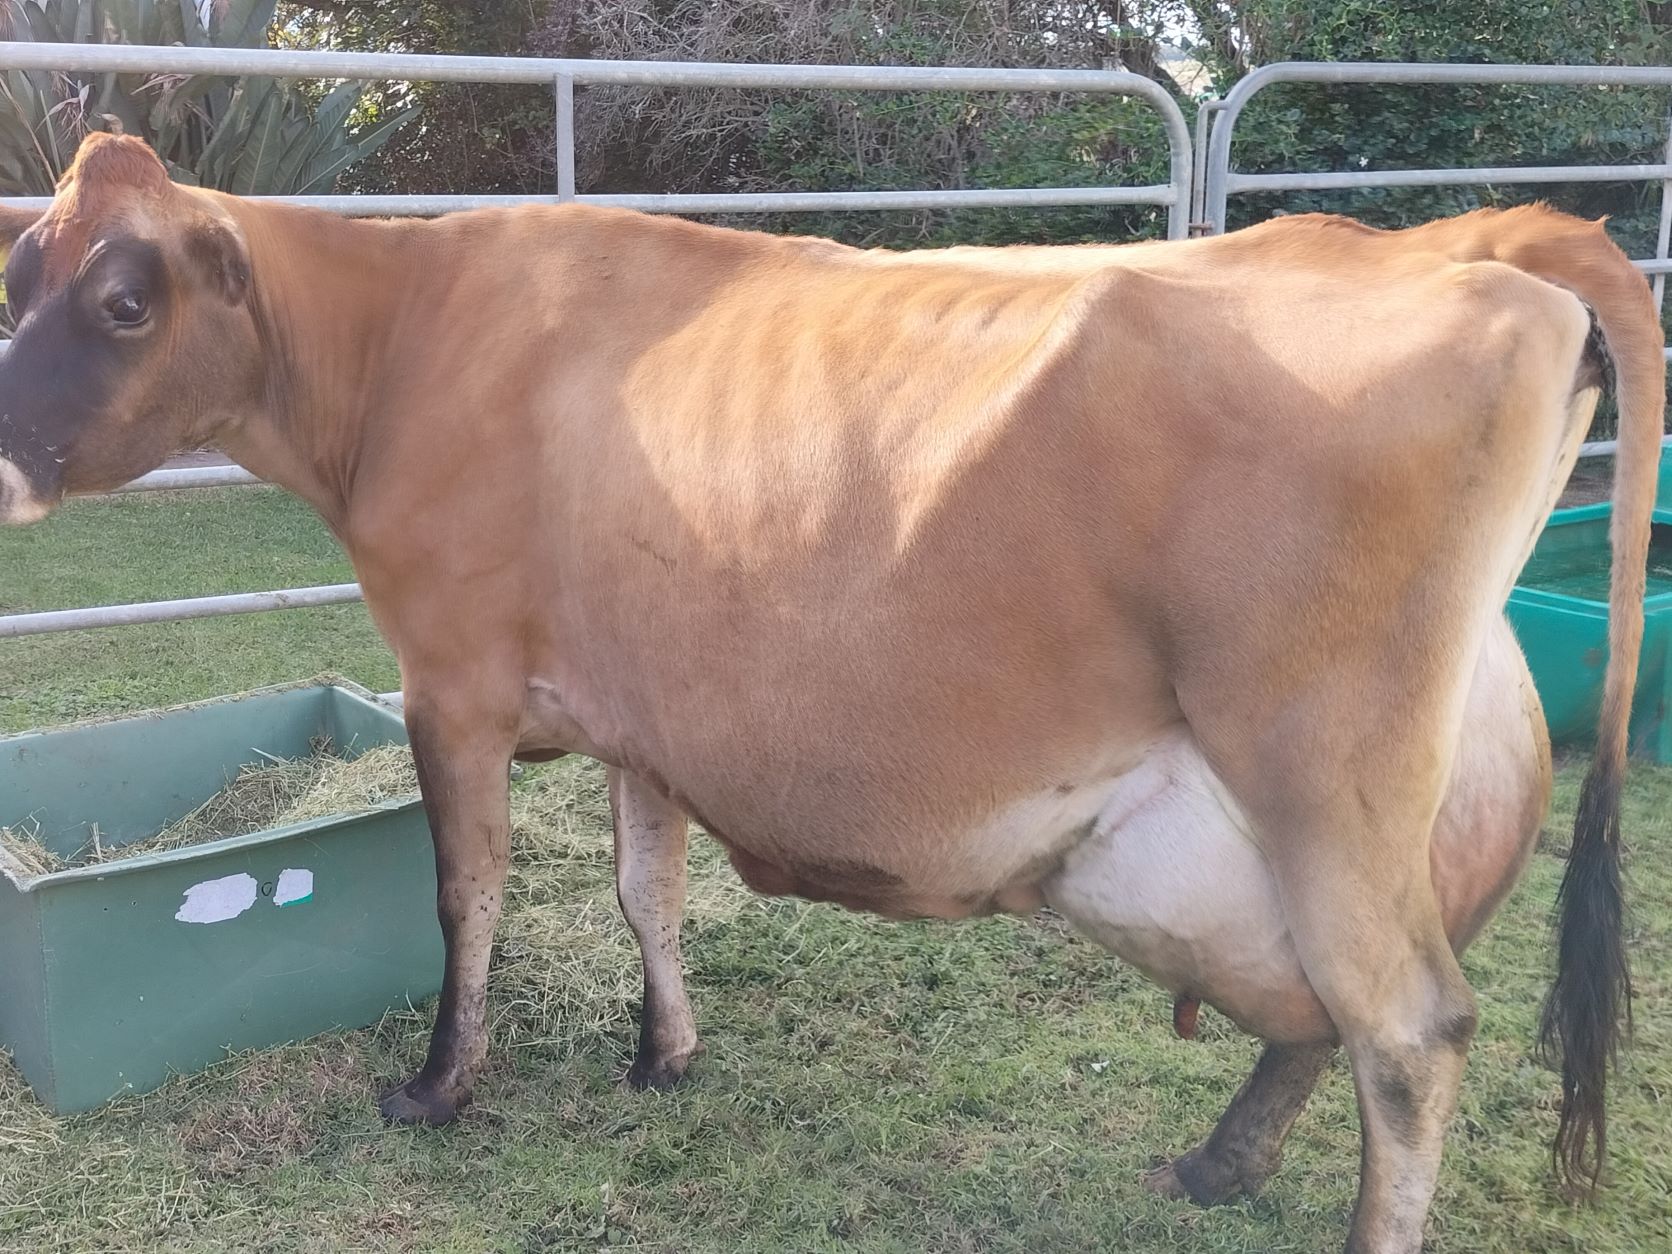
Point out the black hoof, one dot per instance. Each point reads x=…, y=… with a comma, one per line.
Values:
x=1206, y=1181
x=1181, y=1181
x=410, y=1104
x=661, y=1073
x=655, y=1075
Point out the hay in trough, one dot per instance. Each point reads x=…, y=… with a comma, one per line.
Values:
x=28, y=852
x=275, y=793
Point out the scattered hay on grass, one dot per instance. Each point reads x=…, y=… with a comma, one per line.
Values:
x=266, y=1109
x=276, y=793
x=566, y=966
x=26, y=1126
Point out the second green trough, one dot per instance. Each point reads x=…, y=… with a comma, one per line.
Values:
x=1559, y=610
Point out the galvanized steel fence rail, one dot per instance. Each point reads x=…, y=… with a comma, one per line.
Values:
x=564, y=75
x=1196, y=195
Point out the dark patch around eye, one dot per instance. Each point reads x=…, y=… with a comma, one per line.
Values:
x=127, y=265
x=140, y=259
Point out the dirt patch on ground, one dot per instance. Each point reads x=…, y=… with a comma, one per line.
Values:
x=280, y=1112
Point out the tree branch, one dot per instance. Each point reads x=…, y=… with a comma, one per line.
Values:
x=1219, y=22
x=1135, y=50
x=341, y=7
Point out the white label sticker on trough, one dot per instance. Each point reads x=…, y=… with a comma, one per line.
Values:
x=294, y=888
x=216, y=901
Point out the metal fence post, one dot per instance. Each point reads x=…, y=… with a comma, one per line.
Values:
x=563, y=87
x=1206, y=115
x=1664, y=236
x=1221, y=180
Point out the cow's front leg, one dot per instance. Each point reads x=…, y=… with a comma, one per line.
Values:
x=463, y=773
x=1246, y=1145
x=650, y=835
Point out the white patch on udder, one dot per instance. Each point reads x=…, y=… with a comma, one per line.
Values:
x=216, y=901
x=1172, y=882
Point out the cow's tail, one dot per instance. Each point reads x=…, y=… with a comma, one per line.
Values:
x=1590, y=1001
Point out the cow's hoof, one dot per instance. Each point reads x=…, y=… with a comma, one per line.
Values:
x=1193, y=1178
x=1164, y=1182
x=660, y=1073
x=657, y=1074
x=411, y=1104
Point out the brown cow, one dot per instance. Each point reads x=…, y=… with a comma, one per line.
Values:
x=1162, y=583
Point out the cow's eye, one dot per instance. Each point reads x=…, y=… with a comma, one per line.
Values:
x=128, y=309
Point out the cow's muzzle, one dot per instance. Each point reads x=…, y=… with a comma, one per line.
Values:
x=20, y=503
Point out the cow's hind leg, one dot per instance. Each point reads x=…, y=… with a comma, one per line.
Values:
x=1348, y=849
x=1494, y=807
x=1341, y=794
x=463, y=773
x=650, y=837
x=1246, y=1145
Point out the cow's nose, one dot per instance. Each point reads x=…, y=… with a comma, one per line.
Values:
x=19, y=502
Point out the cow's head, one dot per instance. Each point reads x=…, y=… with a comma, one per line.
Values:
x=134, y=336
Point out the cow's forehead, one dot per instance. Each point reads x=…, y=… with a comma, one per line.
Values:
x=115, y=187
x=107, y=165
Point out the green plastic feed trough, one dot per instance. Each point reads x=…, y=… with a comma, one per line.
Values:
x=1559, y=610
x=116, y=975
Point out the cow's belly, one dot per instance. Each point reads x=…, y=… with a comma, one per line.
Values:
x=999, y=864
x=1172, y=881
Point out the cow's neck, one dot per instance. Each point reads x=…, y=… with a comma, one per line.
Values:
x=331, y=294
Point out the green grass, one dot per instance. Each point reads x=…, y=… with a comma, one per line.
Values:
x=157, y=546
x=990, y=1086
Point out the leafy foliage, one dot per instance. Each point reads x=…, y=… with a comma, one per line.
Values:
x=252, y=136
x=691, y=140
x=485, y=138
x=728, y=140
x=488, y=138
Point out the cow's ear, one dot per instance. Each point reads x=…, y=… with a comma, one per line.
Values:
x=219, y=252
x=14, y=222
